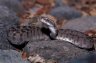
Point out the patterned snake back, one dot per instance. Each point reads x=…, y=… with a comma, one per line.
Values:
x=18, y=35
x=75, y=37
x=21, y=34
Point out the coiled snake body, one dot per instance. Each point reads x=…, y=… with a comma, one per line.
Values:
x=18, y=35
x=30, y=33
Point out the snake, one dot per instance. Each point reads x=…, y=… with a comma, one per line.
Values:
x=38, y=30
x=19, y=35
x=75, y=37
x=47, y=30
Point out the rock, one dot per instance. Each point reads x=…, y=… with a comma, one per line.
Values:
x=65, y=12
x=7, y=17
x=11, y=56
x=60, y=51
x=81, y=24
x=4, y=11
x=90, y=58
x=7, y=20
x=14, y=5
x=59, y=3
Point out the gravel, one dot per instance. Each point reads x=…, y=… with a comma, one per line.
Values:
x=11, y=56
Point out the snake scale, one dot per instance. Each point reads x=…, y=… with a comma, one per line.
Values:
x=75, y=37
x=21, y=34
x=18, y=35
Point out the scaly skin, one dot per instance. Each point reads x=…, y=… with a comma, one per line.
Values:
x=75, y=37
x=46, y=29
x=41, y=29
x=18, y=35
x=43, y=22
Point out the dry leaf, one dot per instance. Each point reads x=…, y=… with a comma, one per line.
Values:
x=91, y=33
x=93, y=12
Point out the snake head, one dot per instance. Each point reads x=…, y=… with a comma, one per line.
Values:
x=49, y=24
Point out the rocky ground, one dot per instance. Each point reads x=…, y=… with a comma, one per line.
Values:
x=11, y=56
x=81, y=24
x=59, y=51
